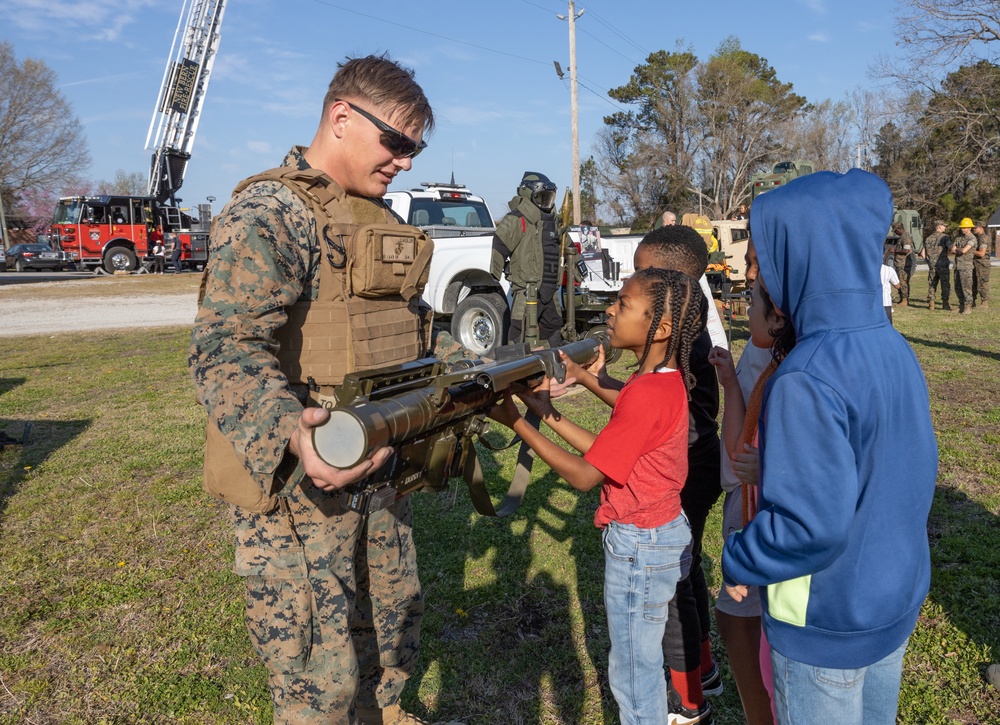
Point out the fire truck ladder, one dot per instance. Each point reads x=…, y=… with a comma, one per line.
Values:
x=182, y=95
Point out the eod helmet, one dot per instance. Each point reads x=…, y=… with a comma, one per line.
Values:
x=538, y=189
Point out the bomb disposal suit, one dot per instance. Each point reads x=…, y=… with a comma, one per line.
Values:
x=526, y=250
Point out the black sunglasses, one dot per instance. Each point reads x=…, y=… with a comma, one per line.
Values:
x=397, y=143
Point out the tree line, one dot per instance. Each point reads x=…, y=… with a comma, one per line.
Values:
x=695, y=131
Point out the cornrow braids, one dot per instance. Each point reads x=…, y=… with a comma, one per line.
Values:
x=680, y=296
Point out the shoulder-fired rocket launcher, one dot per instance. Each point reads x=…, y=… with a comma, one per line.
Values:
x=430, y=413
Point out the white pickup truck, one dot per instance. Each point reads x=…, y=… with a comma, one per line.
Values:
x=459, y=284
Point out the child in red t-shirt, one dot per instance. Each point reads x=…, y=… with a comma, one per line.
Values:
x=640, y=457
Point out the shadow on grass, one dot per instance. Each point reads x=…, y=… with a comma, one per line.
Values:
x=500, y=642
x=952, y=347
x=25, y=444
x=964, y=564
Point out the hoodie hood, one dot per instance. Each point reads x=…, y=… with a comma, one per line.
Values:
x=819, y=242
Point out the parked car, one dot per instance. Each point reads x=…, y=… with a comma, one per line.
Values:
x=37, y=256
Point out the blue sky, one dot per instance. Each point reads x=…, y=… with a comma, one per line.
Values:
x=487, y=68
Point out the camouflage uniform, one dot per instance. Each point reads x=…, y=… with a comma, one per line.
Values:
x=333, y=601
x=936, y=247
x=981, y=272
x=902, y=262
x=963, y=269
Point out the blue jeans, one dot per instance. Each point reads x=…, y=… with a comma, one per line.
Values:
x=805, y=694
x=641, y=571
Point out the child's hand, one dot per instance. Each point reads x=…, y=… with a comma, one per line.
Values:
x=539, y=398
x=722, y=359
x=745, y=465
x=738, y=592
x=505, y=412
x=557, y=389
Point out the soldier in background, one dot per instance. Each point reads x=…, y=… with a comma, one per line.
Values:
x=935, y=251
x=333, y=599
x=526, y=250
x=902, y=262
x=962, y=247
x=981, y=267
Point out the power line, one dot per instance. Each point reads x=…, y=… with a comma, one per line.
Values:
x=427, y=32
x=617, y=32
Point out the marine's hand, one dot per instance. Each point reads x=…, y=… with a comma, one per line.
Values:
x=323, y=475
x=505, y=412
x=746, y=464
x=737, y=592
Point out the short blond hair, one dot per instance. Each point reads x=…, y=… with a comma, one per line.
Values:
x=383, y=83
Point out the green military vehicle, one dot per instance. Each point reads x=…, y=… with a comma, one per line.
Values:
x=782, y=173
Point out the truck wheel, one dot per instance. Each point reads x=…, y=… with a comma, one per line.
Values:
x=479, y=323
x=119, y=258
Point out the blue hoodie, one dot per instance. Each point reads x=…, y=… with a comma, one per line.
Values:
x=848, y=457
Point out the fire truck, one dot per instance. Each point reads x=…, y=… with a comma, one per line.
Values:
x=116, y=233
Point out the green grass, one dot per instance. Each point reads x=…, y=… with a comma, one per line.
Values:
x=118, y=603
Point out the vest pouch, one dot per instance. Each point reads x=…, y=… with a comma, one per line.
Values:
x=226, y=478
x=388, y=259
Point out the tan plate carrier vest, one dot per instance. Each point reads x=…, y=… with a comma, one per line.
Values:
x=367, y=313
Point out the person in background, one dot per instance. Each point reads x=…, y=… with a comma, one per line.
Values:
x=526, y=251
x=981, y=267
x=669, y=218
x=174, y=241
x=962, y=247
x=159, y=256
x=902, y=262
x=889, y=280
x=935, y=251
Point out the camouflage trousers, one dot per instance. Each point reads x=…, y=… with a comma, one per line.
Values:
x=903, y=264
x=963, y=285
x=333, y=603
x=981, y=280
x=939, y=271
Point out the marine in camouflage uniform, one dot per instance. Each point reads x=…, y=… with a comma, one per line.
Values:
x=981, y=267
x=963, y=244
x=902, y=262
x=333, y=602
x=935, y=251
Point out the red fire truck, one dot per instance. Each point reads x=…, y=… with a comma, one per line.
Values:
x=113, y=232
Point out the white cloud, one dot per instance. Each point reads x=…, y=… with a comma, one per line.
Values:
x=102, y=20
x=817, y=6
x=819, y=38
x=263, y=148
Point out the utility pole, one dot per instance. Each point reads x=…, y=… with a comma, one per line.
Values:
x=572, y=16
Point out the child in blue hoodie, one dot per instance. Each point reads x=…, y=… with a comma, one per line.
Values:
x=839, y=543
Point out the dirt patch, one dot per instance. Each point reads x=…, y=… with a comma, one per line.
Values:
x=98, y=304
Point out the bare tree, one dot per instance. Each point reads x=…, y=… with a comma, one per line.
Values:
x=823, y=136
x=41, y=143
x=125, y=183
x=941, y=32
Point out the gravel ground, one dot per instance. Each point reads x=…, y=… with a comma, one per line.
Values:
x=26, y=314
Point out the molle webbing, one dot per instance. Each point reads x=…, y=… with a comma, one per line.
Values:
x=372, y=332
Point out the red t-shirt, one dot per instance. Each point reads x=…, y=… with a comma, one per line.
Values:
x=642, y=452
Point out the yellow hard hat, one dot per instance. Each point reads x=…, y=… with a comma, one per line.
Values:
x=966, y=224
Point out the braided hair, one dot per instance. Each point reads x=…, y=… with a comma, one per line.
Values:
x=679, y=296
